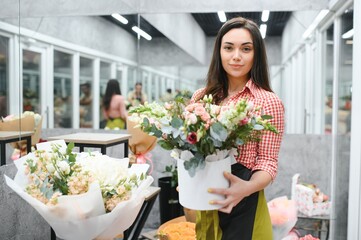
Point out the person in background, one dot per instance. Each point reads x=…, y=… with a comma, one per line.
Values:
x=114, y=106
x=239, y=70
x=168, y=96
x=137, y=96
x=85, y=110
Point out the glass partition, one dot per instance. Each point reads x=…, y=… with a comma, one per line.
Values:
x=4, y=76
x=345, y=82
x=31, y=77
x=86, y=101
x=328, y=66
x=63, y=107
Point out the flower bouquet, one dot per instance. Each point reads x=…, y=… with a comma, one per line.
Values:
x=203, y=137
x=28, y=121
x=283, y=213
x=93, y=194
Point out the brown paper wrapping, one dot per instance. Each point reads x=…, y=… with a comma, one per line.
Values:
x=140, y=143
x=26, y=123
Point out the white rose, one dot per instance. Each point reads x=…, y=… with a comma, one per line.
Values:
x=50, y=167
x=64, y=167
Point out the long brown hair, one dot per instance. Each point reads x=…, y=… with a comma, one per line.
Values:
x=111, y=89
x=217, y=80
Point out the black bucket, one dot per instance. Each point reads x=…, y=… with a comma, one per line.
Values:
x=169, y=206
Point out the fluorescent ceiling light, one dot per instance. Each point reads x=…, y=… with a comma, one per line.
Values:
x=263, y=29
x=120, y=18
x=222, y=16
x=348, y=34
x=315, y=22
x=141, y=33
x=265, y=15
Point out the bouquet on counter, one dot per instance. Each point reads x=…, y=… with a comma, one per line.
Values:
x=201, y=131
x=283, y=213
x=27, y=121
x=99, y=195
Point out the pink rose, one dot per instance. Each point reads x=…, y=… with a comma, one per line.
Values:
x=205, y=117
x=192, y=138
x=200, y=110
x=192, y=106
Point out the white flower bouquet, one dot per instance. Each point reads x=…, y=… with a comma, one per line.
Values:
x=81, y=196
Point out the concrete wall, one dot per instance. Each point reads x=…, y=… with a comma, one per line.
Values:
x=308, y=155
x=96, y=33
x=295, y=27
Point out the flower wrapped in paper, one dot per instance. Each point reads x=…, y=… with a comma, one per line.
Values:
x=283, y=213
x=82, y=196
x=140, y=144
x=28, y=121
x=309, y=198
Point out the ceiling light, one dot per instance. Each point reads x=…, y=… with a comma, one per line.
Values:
x=222, y=16
x=348, y=34
x=141, y=33
x=315, y=22
x=120, y=18
x=263, y=29
x=265, y=15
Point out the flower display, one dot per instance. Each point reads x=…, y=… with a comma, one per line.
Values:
x=55, y=173
x=96, y=196
x=201, y=131
x=283, y=213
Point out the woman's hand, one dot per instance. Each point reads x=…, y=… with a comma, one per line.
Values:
x=237, y=190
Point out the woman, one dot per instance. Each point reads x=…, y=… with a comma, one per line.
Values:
x=239, y=70
x=114, y=106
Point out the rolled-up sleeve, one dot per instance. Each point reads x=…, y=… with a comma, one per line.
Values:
x=269, y=146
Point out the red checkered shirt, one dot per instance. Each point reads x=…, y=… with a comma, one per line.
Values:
x=261, y=155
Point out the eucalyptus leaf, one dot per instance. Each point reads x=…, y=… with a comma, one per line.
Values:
x=187, y=165
x=258, y=127
x=218, y=132
x=176, y=122
x=166, y=145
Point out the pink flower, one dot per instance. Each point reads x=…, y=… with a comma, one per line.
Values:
x=192, y=138
x=191, y=107
x=200, y=110
x=168, y=106
x=309, y=237
x=205, y=117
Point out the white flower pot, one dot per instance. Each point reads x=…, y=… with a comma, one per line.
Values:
x=193, y=191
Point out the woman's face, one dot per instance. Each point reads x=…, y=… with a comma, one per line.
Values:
x=237, y=54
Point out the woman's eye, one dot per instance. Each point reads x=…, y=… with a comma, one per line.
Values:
x=247, y=49
x=227, y=48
